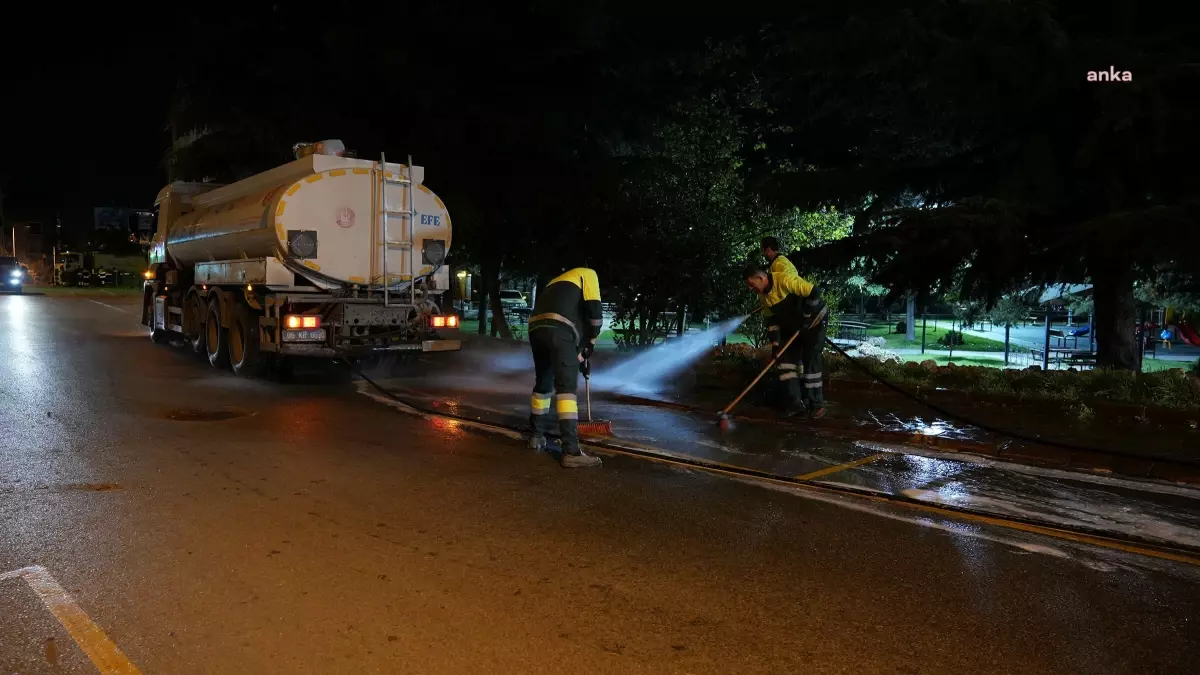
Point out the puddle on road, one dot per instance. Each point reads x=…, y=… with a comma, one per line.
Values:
x=201, y=415
x=918, y=425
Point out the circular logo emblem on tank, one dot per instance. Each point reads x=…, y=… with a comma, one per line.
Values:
x=345, y=217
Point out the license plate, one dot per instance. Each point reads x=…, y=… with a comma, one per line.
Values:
x=304, y=335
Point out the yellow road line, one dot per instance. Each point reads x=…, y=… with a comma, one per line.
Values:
x=840, y=467
x=105, y=655
x=1102, y=542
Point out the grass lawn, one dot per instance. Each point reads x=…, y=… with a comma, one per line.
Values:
x=932, y=335
x=1150, y=365
x=943, y=359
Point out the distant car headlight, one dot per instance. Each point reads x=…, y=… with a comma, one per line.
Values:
x=16, y=274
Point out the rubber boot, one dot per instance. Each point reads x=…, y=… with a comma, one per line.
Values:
x=572, y=456
x=793, y=399
x=539, y=424
x=579, y=461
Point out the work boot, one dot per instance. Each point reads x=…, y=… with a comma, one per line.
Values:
x=578, y=460
x=816, y=413
x=537, y=442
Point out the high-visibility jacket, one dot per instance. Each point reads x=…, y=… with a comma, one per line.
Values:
x=790, y=300
x=572, y=299
x=783, y=265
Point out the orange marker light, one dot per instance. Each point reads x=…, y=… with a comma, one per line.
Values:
x=302, y=321
x=452, y=321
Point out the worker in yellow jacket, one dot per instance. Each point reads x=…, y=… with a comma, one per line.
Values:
x=791, y=305
x=566, y=320
x=777, y=262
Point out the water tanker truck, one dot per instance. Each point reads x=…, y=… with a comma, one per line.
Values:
x=327, y=256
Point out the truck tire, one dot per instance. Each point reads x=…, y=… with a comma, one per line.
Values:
x=157, y=335
x=194, y=313
x=216, y=338
x=244, y=340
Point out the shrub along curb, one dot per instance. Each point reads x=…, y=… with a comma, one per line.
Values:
x=1171, y=394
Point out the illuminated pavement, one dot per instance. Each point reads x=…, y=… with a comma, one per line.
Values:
x=316, y=531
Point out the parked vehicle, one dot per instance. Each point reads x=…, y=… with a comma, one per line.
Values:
x=12, y=275
x=326, y=256
x=511, y=298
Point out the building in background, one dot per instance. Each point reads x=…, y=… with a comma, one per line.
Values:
x=135, y=224
x=30, y=243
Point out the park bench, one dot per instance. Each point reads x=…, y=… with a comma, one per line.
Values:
x=851, y=332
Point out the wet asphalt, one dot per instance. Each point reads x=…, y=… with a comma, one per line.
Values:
x=213, y=524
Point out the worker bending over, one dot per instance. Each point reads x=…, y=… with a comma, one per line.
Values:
x=563, y=328
x=792, y=305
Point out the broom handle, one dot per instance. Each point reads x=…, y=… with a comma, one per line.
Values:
x=587, y=386
x=763, y=372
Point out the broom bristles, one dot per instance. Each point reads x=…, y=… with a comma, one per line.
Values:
x=595, y=428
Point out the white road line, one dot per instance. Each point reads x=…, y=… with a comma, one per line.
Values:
x=105, y=304
x=106, y=656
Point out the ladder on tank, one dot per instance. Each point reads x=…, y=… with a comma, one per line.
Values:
x=408, y=215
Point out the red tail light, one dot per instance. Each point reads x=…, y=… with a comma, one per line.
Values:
x=452, y=321
x=439, y=322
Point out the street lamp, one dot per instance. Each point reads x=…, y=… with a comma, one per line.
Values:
x=462, y=274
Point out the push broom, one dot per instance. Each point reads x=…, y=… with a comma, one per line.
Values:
x=592, y=427
x=723, y=417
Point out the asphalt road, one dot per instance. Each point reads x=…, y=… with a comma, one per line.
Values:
x=315, y=531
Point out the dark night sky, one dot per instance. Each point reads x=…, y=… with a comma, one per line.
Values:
x=85, y=103
x=83, y=111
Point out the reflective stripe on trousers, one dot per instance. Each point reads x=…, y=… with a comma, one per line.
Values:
x=567, y=406
x=539, y=404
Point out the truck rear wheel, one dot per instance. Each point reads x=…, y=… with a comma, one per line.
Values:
x=216, y=338
x=243, y=340
x=194, y=312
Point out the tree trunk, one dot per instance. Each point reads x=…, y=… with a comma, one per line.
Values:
x=910, y=320
x=499, y=320
x=491, y=279
x=483, y=304
x=1112, y=295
